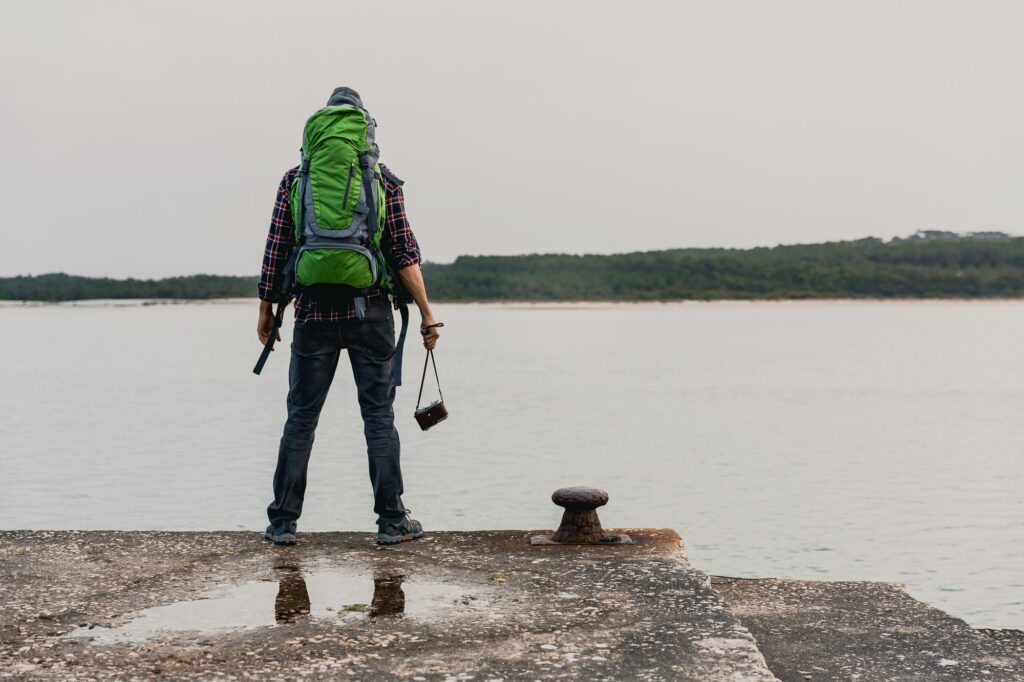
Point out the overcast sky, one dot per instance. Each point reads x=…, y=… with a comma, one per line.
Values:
x=147, y=139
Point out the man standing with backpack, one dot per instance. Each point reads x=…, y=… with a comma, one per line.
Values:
x=340, y=238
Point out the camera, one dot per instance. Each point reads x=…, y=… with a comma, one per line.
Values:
x=431, y=414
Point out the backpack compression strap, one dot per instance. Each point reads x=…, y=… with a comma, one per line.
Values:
x=369, y=179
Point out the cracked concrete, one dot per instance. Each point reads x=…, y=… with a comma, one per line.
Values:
x=811, y=630
x=476, y=605
x=486, y=605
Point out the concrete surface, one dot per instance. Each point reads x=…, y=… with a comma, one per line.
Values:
x=481, y=605
x=809, y=630
x=453, y=606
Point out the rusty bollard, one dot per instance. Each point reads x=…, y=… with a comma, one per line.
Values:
x=580, y=524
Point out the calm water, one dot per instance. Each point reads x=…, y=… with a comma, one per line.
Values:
x=875, y=441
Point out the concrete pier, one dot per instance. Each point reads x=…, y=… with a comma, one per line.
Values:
x=477, y=605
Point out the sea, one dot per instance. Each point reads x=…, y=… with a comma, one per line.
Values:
x=819, y=440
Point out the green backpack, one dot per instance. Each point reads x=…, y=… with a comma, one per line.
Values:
x=337, y=202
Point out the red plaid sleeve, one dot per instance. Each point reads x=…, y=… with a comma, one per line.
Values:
x=398, y=241
x=280, y=240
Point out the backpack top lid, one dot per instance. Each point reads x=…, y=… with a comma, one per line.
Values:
x=343, y=117
x=344, y=95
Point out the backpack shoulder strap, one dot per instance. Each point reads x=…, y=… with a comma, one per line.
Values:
x=386, y=172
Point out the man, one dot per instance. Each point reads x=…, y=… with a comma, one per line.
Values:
x=323, y=328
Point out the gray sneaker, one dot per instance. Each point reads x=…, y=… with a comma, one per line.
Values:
x=280, y=536
x=394, y=532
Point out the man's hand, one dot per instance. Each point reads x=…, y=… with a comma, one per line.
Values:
x=412, y=278
x=430, y=333
x=266, y=324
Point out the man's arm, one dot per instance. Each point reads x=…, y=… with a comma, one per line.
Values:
x=280, y=241
x=403, y=252
x=412, y=278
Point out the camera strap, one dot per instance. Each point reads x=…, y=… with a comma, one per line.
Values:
x=429, y=359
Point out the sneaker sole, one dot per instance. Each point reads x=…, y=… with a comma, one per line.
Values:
x=395, y=539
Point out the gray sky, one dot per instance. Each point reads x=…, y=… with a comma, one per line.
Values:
x=147, y=139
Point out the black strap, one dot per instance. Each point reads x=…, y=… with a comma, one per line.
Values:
x=269, y=345
x=397, y=379
x=429, y=358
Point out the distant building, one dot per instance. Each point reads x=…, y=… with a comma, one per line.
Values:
x=936, y=234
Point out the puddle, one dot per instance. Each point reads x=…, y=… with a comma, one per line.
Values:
x=292, y=596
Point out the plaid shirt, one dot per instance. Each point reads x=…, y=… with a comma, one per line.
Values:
x=398, y=244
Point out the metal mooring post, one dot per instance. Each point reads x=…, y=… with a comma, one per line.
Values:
x=580, y=524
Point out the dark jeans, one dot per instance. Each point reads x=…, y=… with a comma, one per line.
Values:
x=316, y=347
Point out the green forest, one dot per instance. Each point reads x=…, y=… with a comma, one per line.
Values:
x=927, y=265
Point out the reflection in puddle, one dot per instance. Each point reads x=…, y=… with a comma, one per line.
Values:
x=292, y=597
x=388, y=597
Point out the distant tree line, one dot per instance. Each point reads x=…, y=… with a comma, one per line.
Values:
x=923, y=266
x=914, y=268
x=62, y=287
